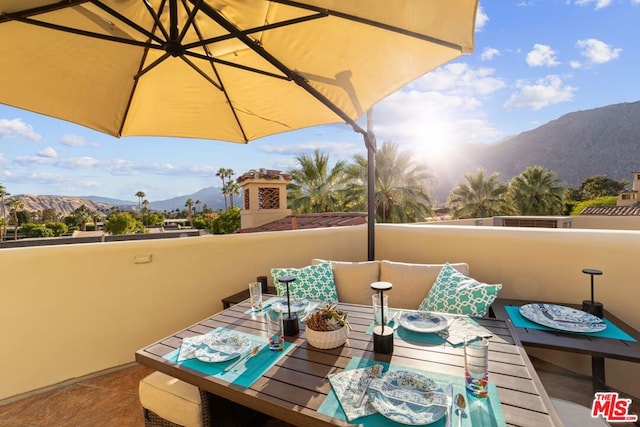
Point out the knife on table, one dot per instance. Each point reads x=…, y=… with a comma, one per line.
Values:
x=449, y=393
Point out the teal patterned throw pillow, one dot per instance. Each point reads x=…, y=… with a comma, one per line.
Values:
x=314, y=282
x=453, y=292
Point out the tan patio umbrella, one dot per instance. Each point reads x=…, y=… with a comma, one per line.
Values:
x=232, y=70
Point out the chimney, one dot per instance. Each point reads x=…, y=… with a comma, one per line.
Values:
x=264, y=196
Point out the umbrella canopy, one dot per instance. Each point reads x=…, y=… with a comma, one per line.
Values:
x=232, y=70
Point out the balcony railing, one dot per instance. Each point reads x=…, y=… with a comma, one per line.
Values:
x=68, y=311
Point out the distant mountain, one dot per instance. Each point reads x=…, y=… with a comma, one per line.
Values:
x=601, y=141
x=110, y=201
x=63, y=205
x=210, y=196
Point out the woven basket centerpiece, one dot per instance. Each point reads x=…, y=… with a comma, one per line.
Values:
x=327, y=328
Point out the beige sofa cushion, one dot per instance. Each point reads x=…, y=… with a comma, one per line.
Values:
x=172, y=399
x=411, y=282
x=353, y=280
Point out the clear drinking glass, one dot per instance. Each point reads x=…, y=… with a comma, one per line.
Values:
x=377, y=308
x=476, y=366
x=275, y=329
x=255, y=295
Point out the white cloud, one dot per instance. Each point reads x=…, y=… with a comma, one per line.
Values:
x=577, y=64
x=75, y=141
x=481, y=18
x=599, y=4
x=16, y=128
x=541, y=55
x=460, y=79
x=489, y=53
x=79, y=162
x=597, y=51
x=336, y=150
x=48, y=152
x=544, y=92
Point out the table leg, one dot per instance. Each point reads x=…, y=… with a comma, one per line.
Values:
x=597, y=373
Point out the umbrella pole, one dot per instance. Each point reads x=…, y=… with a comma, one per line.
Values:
x=370, y=143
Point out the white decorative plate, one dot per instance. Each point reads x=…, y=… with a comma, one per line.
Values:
x=222, y=346
x=562, y=318
x=297, y=305
x=408, y=397
x=423, y=321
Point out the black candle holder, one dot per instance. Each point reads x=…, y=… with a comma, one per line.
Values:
x=591, y=306
x=382, y=335
x=291, y=325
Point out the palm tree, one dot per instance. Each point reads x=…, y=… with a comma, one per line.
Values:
x=536, y=191
x=82, y=216
x=231, y=188
x=145, y=210
x=189, y=205
x=95, y=217
x=15, y=205
x=224, y=173
x=479, y=197
x=197, y=202
x=140, y=195
x=315, y=188
x=3, y=227
x=401, y=193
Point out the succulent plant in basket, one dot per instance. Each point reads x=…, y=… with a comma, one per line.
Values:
x=327, y=327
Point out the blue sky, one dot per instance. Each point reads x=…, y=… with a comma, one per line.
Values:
x=535, y=60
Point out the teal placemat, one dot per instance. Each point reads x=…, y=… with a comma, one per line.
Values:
x=612, y=331
x=480, y=412
x=255, y=367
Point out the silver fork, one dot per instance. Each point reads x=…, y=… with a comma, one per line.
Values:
x=374, y=372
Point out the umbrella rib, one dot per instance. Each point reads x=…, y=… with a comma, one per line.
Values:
x=257, y=29
x=151, y=66
x=81, y=32
x=156, y=17
x=202, y=73
x=295, y=77
x=234, y=65
x=190, y=20
x=4, y=17
x=221, y=87
x=374, y=24
x=126, y=20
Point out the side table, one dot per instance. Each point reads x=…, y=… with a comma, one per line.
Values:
x=598, y=348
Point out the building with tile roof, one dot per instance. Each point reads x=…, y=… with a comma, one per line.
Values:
x=265, y=206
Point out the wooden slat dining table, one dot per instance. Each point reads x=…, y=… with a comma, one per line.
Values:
x=295, y=387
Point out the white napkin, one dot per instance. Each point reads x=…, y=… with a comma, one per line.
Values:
x=190, y=345
x=462, y=327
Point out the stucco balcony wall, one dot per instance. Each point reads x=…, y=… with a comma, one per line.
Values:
x=72, y=310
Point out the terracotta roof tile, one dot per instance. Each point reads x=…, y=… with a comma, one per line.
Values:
x=631, y=210
x=263, y=174
x=315, y=220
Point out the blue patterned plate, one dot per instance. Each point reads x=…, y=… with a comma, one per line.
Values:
x=222, y=346
x=562, y=318
x=423, y=321
x=297, y=305
x=408, y=397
